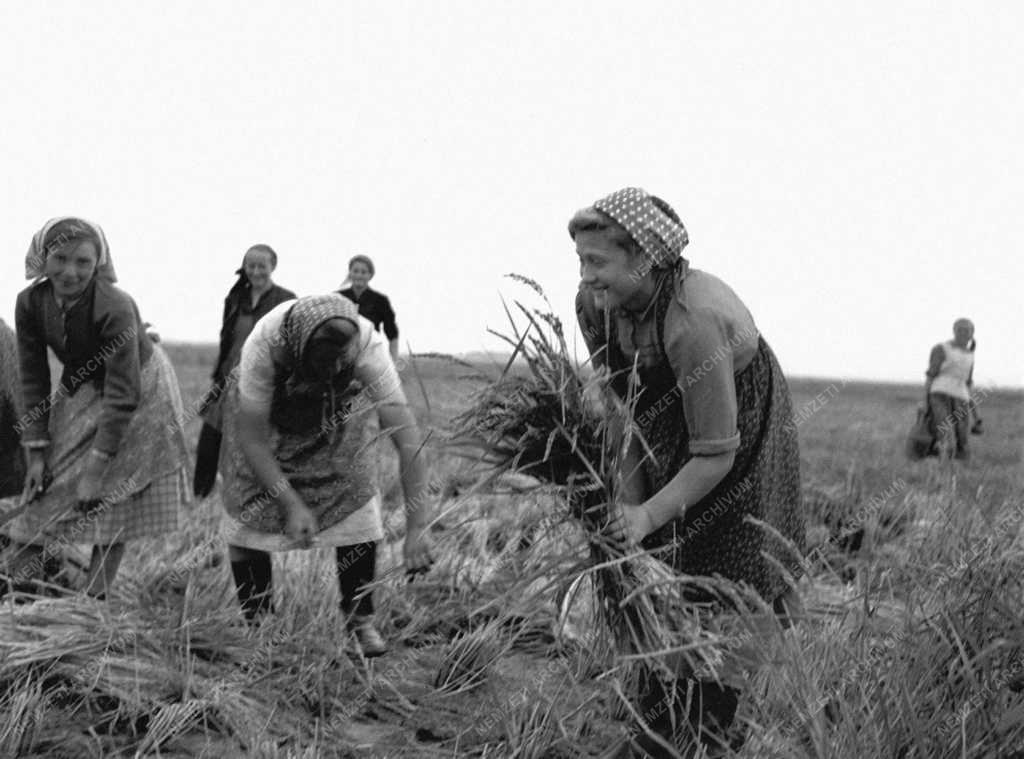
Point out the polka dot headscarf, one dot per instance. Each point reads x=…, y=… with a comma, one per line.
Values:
x=649, y=221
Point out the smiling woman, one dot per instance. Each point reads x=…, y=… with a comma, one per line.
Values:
x=108, y=444
x=251, y=298
x=713, y=409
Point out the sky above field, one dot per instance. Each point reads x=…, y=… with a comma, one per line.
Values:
x=852, y=170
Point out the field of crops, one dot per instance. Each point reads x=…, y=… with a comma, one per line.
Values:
x=913, y=645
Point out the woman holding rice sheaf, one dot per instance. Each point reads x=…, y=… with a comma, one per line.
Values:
x=713, y=407
x=299, y=458
x=106, y=450
x=251, y=298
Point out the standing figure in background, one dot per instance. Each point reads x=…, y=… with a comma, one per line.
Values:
x=373, y=305
x=251, y=298
x=948, y=389
x=315, y=385
x=107, y=460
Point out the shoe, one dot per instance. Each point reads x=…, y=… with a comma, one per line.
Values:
x=370, y=641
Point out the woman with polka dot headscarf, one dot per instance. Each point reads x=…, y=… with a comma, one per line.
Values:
x=713, y=408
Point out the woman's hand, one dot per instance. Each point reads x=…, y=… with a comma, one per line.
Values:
x=628, y=525
x=35, y=477
x=89, y=487
x=300, y=523
x=417, y=550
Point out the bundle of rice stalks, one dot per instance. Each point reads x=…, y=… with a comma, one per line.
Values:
x=560, y=422
x=120, y=673
x=468, y=658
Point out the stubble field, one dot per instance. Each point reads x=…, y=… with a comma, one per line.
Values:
x=913, y=645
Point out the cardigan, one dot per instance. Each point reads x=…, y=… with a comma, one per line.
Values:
x=239, y=303
x=99, y=339
x=376, y=307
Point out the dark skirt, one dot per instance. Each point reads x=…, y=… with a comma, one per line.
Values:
x=716, y=536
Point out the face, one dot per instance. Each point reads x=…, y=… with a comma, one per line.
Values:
x=71, y=267
x=325, y=360
x=615, y=276
x=963, y=331
x=258, y=266
x=359, y=274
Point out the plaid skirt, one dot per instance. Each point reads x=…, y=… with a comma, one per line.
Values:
x=146, y=483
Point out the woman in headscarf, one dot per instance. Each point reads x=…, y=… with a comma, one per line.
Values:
x=948, y=384
x=713, y=407
x=251, y=298
x=106, y=449
x=373, y=305
x=299, y=456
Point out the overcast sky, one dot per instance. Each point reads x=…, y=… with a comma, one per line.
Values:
x=852, y=170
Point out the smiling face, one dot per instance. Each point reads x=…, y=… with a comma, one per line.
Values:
x=359, y=275
x=258, y=265
x=71, y=267
x=615, y=276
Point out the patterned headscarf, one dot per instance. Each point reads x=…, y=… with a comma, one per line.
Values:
x=651, y=222
x=309, y=313
x=43, y=243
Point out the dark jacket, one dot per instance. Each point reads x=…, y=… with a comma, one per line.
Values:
x=239, y=302
x=376, y=307
x=100, y=339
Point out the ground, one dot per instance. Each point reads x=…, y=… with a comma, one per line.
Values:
x=912, y=646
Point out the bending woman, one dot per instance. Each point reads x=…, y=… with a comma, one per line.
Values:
x=299, y=459
x=250, y=299
x=106, y=450
x=714, y=408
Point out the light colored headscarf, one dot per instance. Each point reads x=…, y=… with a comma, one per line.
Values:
x=651, y=222
x=309, y=313
x=43, y=243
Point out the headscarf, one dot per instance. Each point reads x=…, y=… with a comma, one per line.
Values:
x=43, y=242
x=308, y=314
x=651, y=222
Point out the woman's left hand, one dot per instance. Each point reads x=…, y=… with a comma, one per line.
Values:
x=628, y=525
x=417, y=550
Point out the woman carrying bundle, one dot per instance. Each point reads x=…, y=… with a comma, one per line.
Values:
x=713, y=408
x=299, y=457
x=947, y=386
x=251, y=298
x=106, y=450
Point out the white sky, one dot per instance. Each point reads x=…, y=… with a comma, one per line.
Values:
x=853, y=172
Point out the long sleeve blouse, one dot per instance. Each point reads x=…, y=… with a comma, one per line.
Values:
x=99, y=339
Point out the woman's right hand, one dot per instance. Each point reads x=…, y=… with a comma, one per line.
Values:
x=300, y=524
x=35, y=477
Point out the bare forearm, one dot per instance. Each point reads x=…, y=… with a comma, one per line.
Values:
x=412, y=462
x=696, y=479
x=264, y=466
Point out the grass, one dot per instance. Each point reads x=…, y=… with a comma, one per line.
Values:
x=913, y=644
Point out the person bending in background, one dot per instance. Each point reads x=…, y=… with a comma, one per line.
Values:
x=715, y=411
x=948, y=388
x=12, y=462
x=373, y=305
x=251, y=298
x=107, y=460
x=300, y=459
